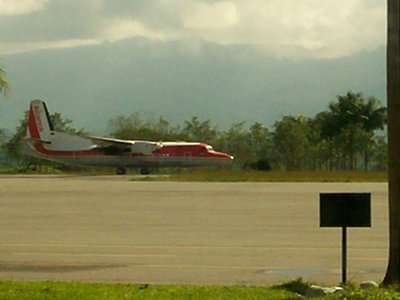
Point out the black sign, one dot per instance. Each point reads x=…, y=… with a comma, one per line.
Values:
x=345, y=209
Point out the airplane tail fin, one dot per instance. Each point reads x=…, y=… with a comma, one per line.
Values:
x=39, y=127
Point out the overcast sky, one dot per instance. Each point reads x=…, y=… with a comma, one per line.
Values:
x=228, y=61
x=294, y=29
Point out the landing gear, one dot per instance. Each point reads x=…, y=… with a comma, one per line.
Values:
x=144, y=171
x=121, y=171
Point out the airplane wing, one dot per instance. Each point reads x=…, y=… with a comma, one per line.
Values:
x=116, y=146
x=103, y=141
x=110, y=146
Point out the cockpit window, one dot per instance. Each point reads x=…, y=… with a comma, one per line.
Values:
x=209, y=148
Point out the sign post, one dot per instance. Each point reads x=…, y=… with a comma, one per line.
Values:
x=345, y=210
x=344, y=254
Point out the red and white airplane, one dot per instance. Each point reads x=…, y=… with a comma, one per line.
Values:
x=65, y=148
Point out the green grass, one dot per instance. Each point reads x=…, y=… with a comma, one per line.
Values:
x=12, y=290
x=219, y=175
x=52, y=290
x=355, y=293
x=278, y=176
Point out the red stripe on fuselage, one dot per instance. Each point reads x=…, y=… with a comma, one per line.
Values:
x=199, y=150
x=176, y=151
x=33, y=129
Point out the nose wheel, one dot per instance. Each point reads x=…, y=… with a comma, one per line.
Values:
x=121, y=171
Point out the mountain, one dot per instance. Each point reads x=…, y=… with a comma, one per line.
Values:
x=225, y=84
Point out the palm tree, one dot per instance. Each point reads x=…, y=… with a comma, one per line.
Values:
x=351, y=120
x=393, y=93
x=4, y=86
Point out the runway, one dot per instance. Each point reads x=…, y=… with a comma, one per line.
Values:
x=114, y=229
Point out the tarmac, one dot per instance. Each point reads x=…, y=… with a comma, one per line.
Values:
x=116, y=229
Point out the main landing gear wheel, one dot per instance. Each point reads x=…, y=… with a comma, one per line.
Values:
x=144, y=171
x=121, y=171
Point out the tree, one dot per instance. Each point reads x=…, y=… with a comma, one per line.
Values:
x=195, y=130
x=290, y=140
x=63, y=124
x=3, y=140
x=318, y=149
x=393, y=91
x=236, y=141
x=260, y=142
x=13, y=146
x=138, y=127
x=4, y=85
x=126, y=127
x=380, y=153
x=349, y=125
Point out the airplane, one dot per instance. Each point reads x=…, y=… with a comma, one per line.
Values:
x=46, y=143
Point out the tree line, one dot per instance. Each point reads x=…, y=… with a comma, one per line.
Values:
x=347, y=136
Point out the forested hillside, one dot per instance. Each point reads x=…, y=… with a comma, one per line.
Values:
x=348, y=135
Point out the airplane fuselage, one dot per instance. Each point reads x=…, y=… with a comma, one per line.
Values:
x=170, y=155
x=46, y=143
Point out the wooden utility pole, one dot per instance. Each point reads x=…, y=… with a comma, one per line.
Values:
x=393, y=103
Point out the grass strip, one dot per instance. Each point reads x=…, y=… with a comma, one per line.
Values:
x=63, y=290
x=225, y=175
x=210, y=175
x=12, y=290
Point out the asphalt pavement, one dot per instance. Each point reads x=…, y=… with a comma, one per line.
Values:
x=115, y=229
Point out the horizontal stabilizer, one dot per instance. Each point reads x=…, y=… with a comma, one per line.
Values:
x=37, y=140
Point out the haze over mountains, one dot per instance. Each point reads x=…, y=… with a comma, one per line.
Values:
x=177, y=80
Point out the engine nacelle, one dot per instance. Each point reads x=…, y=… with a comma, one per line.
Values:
x=145, y=148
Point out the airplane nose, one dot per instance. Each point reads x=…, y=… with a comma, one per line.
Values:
x=224, y=155
x=230, y=157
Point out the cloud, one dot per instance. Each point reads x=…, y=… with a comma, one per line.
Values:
x=20, y=7
x=13, y=48
x=214, y=16
x=285, y=28
x=121, y=29
x=314, y=28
